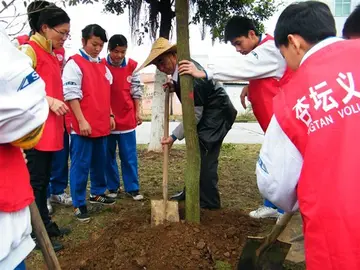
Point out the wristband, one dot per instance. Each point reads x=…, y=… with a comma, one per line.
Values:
x=111, y=115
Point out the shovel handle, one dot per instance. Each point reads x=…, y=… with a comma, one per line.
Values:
x=278, y=228
x=166, y=148
x=43, y=239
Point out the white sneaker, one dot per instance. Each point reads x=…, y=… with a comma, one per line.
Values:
x=63, y=199
x=135, y=195
x=49, y=207
x=264, y=212
x=113, y=195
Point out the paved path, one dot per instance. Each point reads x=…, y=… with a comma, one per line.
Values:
x=250, y=133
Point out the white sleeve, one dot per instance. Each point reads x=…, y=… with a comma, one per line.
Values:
x=109, y=76
x=179, y=132
x=264, y=61
x=278, y=168
x=23, y=105
x=72, y=80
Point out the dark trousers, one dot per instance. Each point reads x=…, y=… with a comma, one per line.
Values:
x=209, y=193
x=39, y=166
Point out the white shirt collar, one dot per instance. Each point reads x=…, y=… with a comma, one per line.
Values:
x=319, y=46
x=91, y=59
x=175, y=74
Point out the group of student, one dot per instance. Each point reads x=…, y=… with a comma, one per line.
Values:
x=302, y=87
x=92, y=103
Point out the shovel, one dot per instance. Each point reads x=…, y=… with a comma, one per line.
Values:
x=42, y=237
x=266, y=253
x=164, y=210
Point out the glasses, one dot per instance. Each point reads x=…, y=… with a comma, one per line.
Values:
x=66, y=35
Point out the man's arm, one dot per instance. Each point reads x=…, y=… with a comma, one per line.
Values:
x=278, y=168
x=178, y=132
x=265, y=61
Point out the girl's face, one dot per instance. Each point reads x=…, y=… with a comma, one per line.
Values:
x=93, y=46
x=117, y=55
x=57, y=34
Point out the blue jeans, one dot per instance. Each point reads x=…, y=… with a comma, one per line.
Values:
x=128, y=158
x=60, y=169
x=87, y=155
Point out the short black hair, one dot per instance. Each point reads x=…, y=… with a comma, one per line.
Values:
x=117, y=40
x=352, y=24
x=94, y=30
x=239, y=27
x=33, y=10
x=312, y=20
x=51, y=16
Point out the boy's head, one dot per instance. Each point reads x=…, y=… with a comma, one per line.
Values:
x=242, y=34
x=301, y=26
x=351, y=28
x=117, y=47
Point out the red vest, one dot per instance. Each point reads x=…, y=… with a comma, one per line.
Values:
x=48, y=68
x=319, y=110
x=60, y=53
x=262, y=92
x=95, y=104
x=122, y=103
x=15, y=189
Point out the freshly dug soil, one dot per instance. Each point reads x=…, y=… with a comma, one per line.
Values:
x=131, y=243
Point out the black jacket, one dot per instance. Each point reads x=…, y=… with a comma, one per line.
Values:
x=218, y=112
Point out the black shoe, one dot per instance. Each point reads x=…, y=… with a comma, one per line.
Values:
x=53, y=230
x=101, y=199
x=81, y=214
x=178, y=197
x=57, y=246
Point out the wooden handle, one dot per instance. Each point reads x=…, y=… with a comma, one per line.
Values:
x=278, y=228
x=43, y=240
x=166, y=148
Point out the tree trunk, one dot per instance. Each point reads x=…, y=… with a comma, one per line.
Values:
x=192, y=170
x=157, y=107
x=157, y=113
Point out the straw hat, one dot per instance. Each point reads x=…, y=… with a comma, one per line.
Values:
x=160, y=46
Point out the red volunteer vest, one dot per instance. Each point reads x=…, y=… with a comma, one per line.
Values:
x=48, y=68
x=262, y=92
x=15, y=189
x=122, y=103
x=319, y=110
x=95, y=104
x=60, y=53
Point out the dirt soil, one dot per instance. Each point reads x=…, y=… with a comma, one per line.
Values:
x=121, y=237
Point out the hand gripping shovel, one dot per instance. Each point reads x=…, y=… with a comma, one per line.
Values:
x=266, y=253
x=164, y=210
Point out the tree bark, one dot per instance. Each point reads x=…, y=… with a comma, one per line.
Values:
x=157, y=107
x=157, y=113
x=192, y=170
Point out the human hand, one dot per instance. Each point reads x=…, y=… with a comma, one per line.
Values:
x=58, y=107
x=189, y=68
x=85, y=128
x=167, y=141
x=112, y=123
x=169, y=86
x=138, y=118
x=244, y=93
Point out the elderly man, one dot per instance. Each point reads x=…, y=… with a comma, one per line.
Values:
x=214, y=114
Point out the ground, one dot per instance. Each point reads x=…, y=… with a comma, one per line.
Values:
x=120, y=236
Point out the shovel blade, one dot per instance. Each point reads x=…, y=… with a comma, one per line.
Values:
x=271, y=259
x=161, y=212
